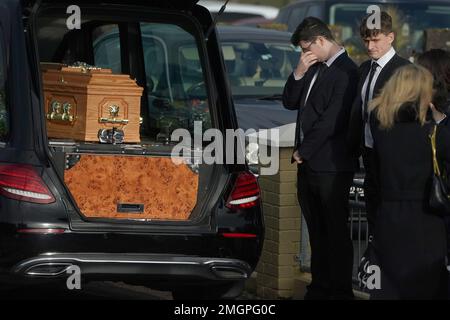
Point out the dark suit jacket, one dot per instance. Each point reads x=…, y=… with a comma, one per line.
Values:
x=356, y=127
x=403, y=155
x=325, y=116
x=405, y=225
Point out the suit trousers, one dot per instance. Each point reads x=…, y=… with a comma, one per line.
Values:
x=372, y=196
x=324, y=201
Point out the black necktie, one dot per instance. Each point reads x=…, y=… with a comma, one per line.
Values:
x=320, y=69
x=373, y=69
x=318, y=72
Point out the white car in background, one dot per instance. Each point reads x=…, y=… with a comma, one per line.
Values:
x=238, y=11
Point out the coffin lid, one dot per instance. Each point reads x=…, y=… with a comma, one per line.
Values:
x=104, y=80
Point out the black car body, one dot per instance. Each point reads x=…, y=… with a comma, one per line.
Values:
x=43, y=232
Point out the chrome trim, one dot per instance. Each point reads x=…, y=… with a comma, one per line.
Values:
x=238, y=272
x=211, y=266
x=24, y=264
x=67, y=266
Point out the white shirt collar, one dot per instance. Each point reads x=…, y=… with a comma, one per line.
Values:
x=330, y=61
x=386, y=58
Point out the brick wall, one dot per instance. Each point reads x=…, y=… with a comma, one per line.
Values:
x=278, y=265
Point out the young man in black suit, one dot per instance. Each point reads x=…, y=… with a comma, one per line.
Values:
x=322, y=88
x=373, y=74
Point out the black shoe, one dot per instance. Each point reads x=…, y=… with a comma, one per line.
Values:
x=316, y=293
x=342, y=297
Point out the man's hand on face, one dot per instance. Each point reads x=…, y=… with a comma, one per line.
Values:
x=307, y=59
x=297, y=157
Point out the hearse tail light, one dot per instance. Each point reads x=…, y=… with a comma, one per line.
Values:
x=22, y=182
x=245, y=193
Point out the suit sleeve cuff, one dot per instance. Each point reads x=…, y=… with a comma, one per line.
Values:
x=301, y=154
x=297, y=78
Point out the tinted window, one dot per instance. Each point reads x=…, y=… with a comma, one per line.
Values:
x=107, y=48
x=297, y=15
x=175, y=77
x=302, y=11
x=176, y=82
x=258, y=68
x=315, y=11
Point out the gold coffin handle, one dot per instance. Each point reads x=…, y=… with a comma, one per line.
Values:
x=61, y=112
x=113, y=121
x=113, y=113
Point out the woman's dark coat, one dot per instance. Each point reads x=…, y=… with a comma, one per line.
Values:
x=409, y=241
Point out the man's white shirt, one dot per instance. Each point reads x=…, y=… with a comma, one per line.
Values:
x=382, y=62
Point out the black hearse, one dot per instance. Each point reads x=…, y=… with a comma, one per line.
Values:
x=44, y=229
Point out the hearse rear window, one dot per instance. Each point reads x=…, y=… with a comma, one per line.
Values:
x=172, y=78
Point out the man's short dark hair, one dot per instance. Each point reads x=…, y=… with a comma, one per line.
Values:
x=309, y=29
x=386, y=26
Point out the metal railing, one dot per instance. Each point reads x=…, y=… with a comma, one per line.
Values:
x=359, y=228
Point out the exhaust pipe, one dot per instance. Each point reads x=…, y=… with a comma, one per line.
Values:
x=228, y=272
x=50, y=269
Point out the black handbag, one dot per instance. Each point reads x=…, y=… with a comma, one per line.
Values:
x=368, y=258
x=439, y=194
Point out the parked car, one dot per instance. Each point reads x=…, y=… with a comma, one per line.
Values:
x=237, y=11
x=257, y=22
x=411, y=18
x=258, y=63
x=44, y=229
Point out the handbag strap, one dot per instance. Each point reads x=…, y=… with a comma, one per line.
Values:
x=436, y=170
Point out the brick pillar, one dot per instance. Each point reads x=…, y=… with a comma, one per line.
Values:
x=278, y=265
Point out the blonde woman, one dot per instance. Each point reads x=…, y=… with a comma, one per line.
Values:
x=409, y=241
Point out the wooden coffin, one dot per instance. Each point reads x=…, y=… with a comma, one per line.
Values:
x=102, y=184
x=79, y=102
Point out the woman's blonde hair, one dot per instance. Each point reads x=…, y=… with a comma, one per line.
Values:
x=409, y=84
